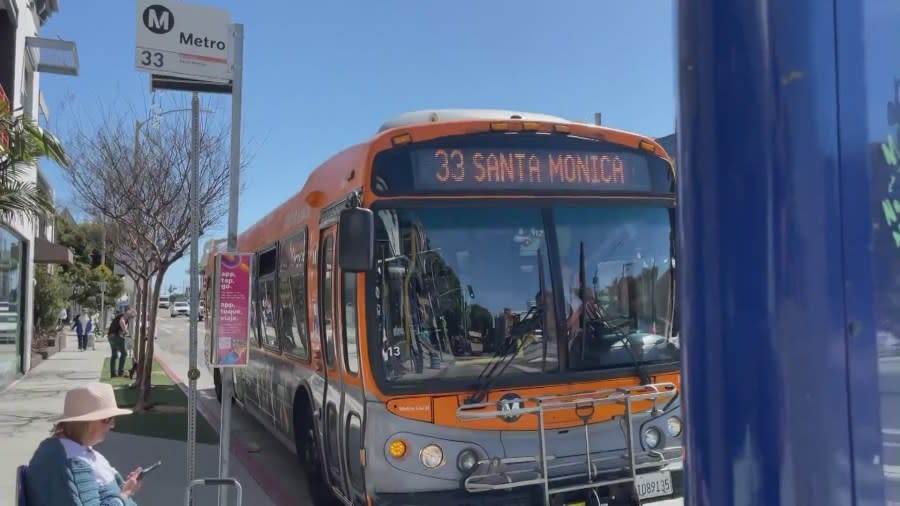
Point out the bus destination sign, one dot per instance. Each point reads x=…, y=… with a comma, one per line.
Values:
x=473, y=169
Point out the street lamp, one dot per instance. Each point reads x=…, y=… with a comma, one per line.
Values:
x=140, y=124
x=137, y=130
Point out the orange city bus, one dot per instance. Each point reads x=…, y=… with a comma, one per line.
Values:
x=473, y=307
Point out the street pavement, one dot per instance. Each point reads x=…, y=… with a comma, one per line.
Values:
x=27, y=406
x=269, y=462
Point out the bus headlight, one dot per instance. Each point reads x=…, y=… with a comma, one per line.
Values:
x=467, y=460
x=652, y=437
x=673, y=426
x=432, y=456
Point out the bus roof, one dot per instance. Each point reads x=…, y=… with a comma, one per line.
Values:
x=434, y=115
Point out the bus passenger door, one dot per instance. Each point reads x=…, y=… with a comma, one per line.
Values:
x=352, y=400
x=333, y=383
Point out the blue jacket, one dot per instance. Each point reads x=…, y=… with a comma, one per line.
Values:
x=80, y=331
x=55, y=480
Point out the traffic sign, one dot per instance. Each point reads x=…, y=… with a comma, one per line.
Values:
x=183, y=40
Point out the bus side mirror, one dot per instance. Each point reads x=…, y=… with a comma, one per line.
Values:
x=356, y=240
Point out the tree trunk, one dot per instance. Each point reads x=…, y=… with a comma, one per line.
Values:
x=137, y=350
x=140, y=344
x=145, y=365
x=151, y=340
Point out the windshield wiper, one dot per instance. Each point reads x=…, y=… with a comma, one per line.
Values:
x=616, y=329
x=495, y=368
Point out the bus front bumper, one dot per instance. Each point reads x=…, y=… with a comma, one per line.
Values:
x=530, y=496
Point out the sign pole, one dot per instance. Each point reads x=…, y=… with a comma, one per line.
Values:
x=193, y=372
x=237, y=33
x=168, y=46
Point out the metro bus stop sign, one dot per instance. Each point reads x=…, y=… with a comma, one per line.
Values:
x=184, y=40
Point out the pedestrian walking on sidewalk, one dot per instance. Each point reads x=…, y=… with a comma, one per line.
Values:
x=63, y=318
x=83, y=327
x=118, y=328
x=66, y=469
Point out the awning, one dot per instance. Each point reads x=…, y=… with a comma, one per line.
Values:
x=46, y=252
x=52, y=55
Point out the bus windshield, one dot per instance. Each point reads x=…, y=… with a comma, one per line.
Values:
x=460, y=288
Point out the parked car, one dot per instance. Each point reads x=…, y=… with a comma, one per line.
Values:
x=179, y=308
x=164, y=302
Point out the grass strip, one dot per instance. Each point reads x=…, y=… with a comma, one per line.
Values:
x=167, y=416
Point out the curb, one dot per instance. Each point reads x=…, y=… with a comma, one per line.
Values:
x=15, y=382
x=239, y=450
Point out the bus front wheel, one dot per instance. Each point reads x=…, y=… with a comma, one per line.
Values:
x=307, y=446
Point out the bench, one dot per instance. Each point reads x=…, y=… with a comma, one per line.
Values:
x=20, y=486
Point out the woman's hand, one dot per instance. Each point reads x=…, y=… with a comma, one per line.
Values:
x=132, y=483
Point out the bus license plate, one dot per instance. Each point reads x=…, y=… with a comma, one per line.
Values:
x=653, y=484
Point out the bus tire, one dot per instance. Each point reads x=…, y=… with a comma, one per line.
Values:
x=217, y=381
x=307, y=445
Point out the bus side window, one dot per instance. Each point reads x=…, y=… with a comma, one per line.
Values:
x=267, y=311
x=254, y=322
x=266, y=298
x=291, y=296
x=351, y=339
x=254, y=329
x=326, y=282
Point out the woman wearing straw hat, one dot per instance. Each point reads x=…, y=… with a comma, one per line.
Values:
x=66, y=469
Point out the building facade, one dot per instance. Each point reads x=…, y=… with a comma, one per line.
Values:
x=25, y=244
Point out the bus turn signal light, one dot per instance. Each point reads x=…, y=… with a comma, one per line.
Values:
x=646, y=146
x=397, y=448
x=401, y=139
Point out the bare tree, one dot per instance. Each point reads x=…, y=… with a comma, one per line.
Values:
x=143, y=188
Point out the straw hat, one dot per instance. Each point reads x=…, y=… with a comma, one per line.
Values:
x=95, y=401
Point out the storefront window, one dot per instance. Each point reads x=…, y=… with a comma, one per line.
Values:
x=10, y=306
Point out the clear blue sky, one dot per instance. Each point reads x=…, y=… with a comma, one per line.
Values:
x=320, y=76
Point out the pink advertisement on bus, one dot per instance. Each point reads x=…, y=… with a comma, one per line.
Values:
x=232, y=316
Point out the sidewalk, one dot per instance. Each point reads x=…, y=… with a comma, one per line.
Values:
x=27, y=405
x=273, y=466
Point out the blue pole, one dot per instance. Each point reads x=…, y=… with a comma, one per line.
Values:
x=762, y=260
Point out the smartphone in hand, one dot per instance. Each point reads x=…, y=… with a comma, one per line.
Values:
x=149, y=468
